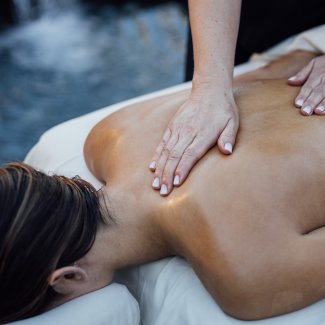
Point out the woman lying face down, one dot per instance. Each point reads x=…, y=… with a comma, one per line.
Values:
x=256, y=243
x=47, y=223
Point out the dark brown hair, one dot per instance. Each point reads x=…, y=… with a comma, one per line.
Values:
x=46, y=222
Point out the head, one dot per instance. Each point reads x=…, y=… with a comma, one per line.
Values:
x=47, y=224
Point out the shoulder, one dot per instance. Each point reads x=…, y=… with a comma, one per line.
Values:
x=100, y=142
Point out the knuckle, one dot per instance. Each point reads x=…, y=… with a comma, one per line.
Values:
x=202, y=136
x=174, y=154
x=166, y=151
x=191, y=152
x=158, y=151
x=188, y=130
x=163, y=143
x=164, y=178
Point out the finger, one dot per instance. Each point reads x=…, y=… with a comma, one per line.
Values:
x=320, y=109
x=190, y=157
x=299, y=78
x=156, y=184
x=169, y=178
x=313, y=100
x=159, y=149
x=227, y=139
x=304, y=93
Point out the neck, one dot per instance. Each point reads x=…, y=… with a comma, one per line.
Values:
x=132, y=237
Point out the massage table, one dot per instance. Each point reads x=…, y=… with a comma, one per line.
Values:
x=166, y=291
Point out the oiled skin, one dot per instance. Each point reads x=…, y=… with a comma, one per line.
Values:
x=245, y=222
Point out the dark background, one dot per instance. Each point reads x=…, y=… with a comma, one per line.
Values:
x=63, y=58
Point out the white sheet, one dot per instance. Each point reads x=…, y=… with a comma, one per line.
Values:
x=168, y=291
x=113, y=305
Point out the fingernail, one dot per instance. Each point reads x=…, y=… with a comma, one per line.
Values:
x=299, y=102
x=152, y=165
x=293, y=78
x=307, y=109
x=163, y=190
x=155, y=182
x=176, y=180
x=320, y=109
x=228, y=147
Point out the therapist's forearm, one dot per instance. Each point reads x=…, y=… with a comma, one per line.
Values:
x=214, y=25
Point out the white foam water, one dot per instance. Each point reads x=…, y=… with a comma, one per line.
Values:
x=60, y=39
x=65, y=40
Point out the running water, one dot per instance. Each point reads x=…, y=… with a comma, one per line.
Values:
x=66, y=60
x=24, y=10
x=27, y=10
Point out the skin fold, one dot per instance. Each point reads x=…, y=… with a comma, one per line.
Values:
x=251, y=223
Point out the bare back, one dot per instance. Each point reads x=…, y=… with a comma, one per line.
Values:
x=245, y=222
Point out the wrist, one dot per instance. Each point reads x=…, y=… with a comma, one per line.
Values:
x=211, y=93
x=209, y=86
x=211, y=81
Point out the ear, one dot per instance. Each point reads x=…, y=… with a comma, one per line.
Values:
x=68, y=280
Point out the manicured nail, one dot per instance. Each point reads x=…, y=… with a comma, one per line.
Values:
x=152, y=165
x=293, y=78
x=155, y=182
x=228, y=147
x=163, y=190
x=176, y=180
x=307, y=109
x=299, y=102
x=320, y=109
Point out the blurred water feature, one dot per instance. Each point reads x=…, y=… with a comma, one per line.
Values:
x=27, y=10
x=72, y=58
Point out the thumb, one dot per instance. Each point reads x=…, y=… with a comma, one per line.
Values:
x=227, y=139
x=301, y=76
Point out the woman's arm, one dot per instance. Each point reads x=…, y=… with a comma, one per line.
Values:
x=210, y=115
x=214, y=25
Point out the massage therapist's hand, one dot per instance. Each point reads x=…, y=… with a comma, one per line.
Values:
x=209, y=116
x=311, y=98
